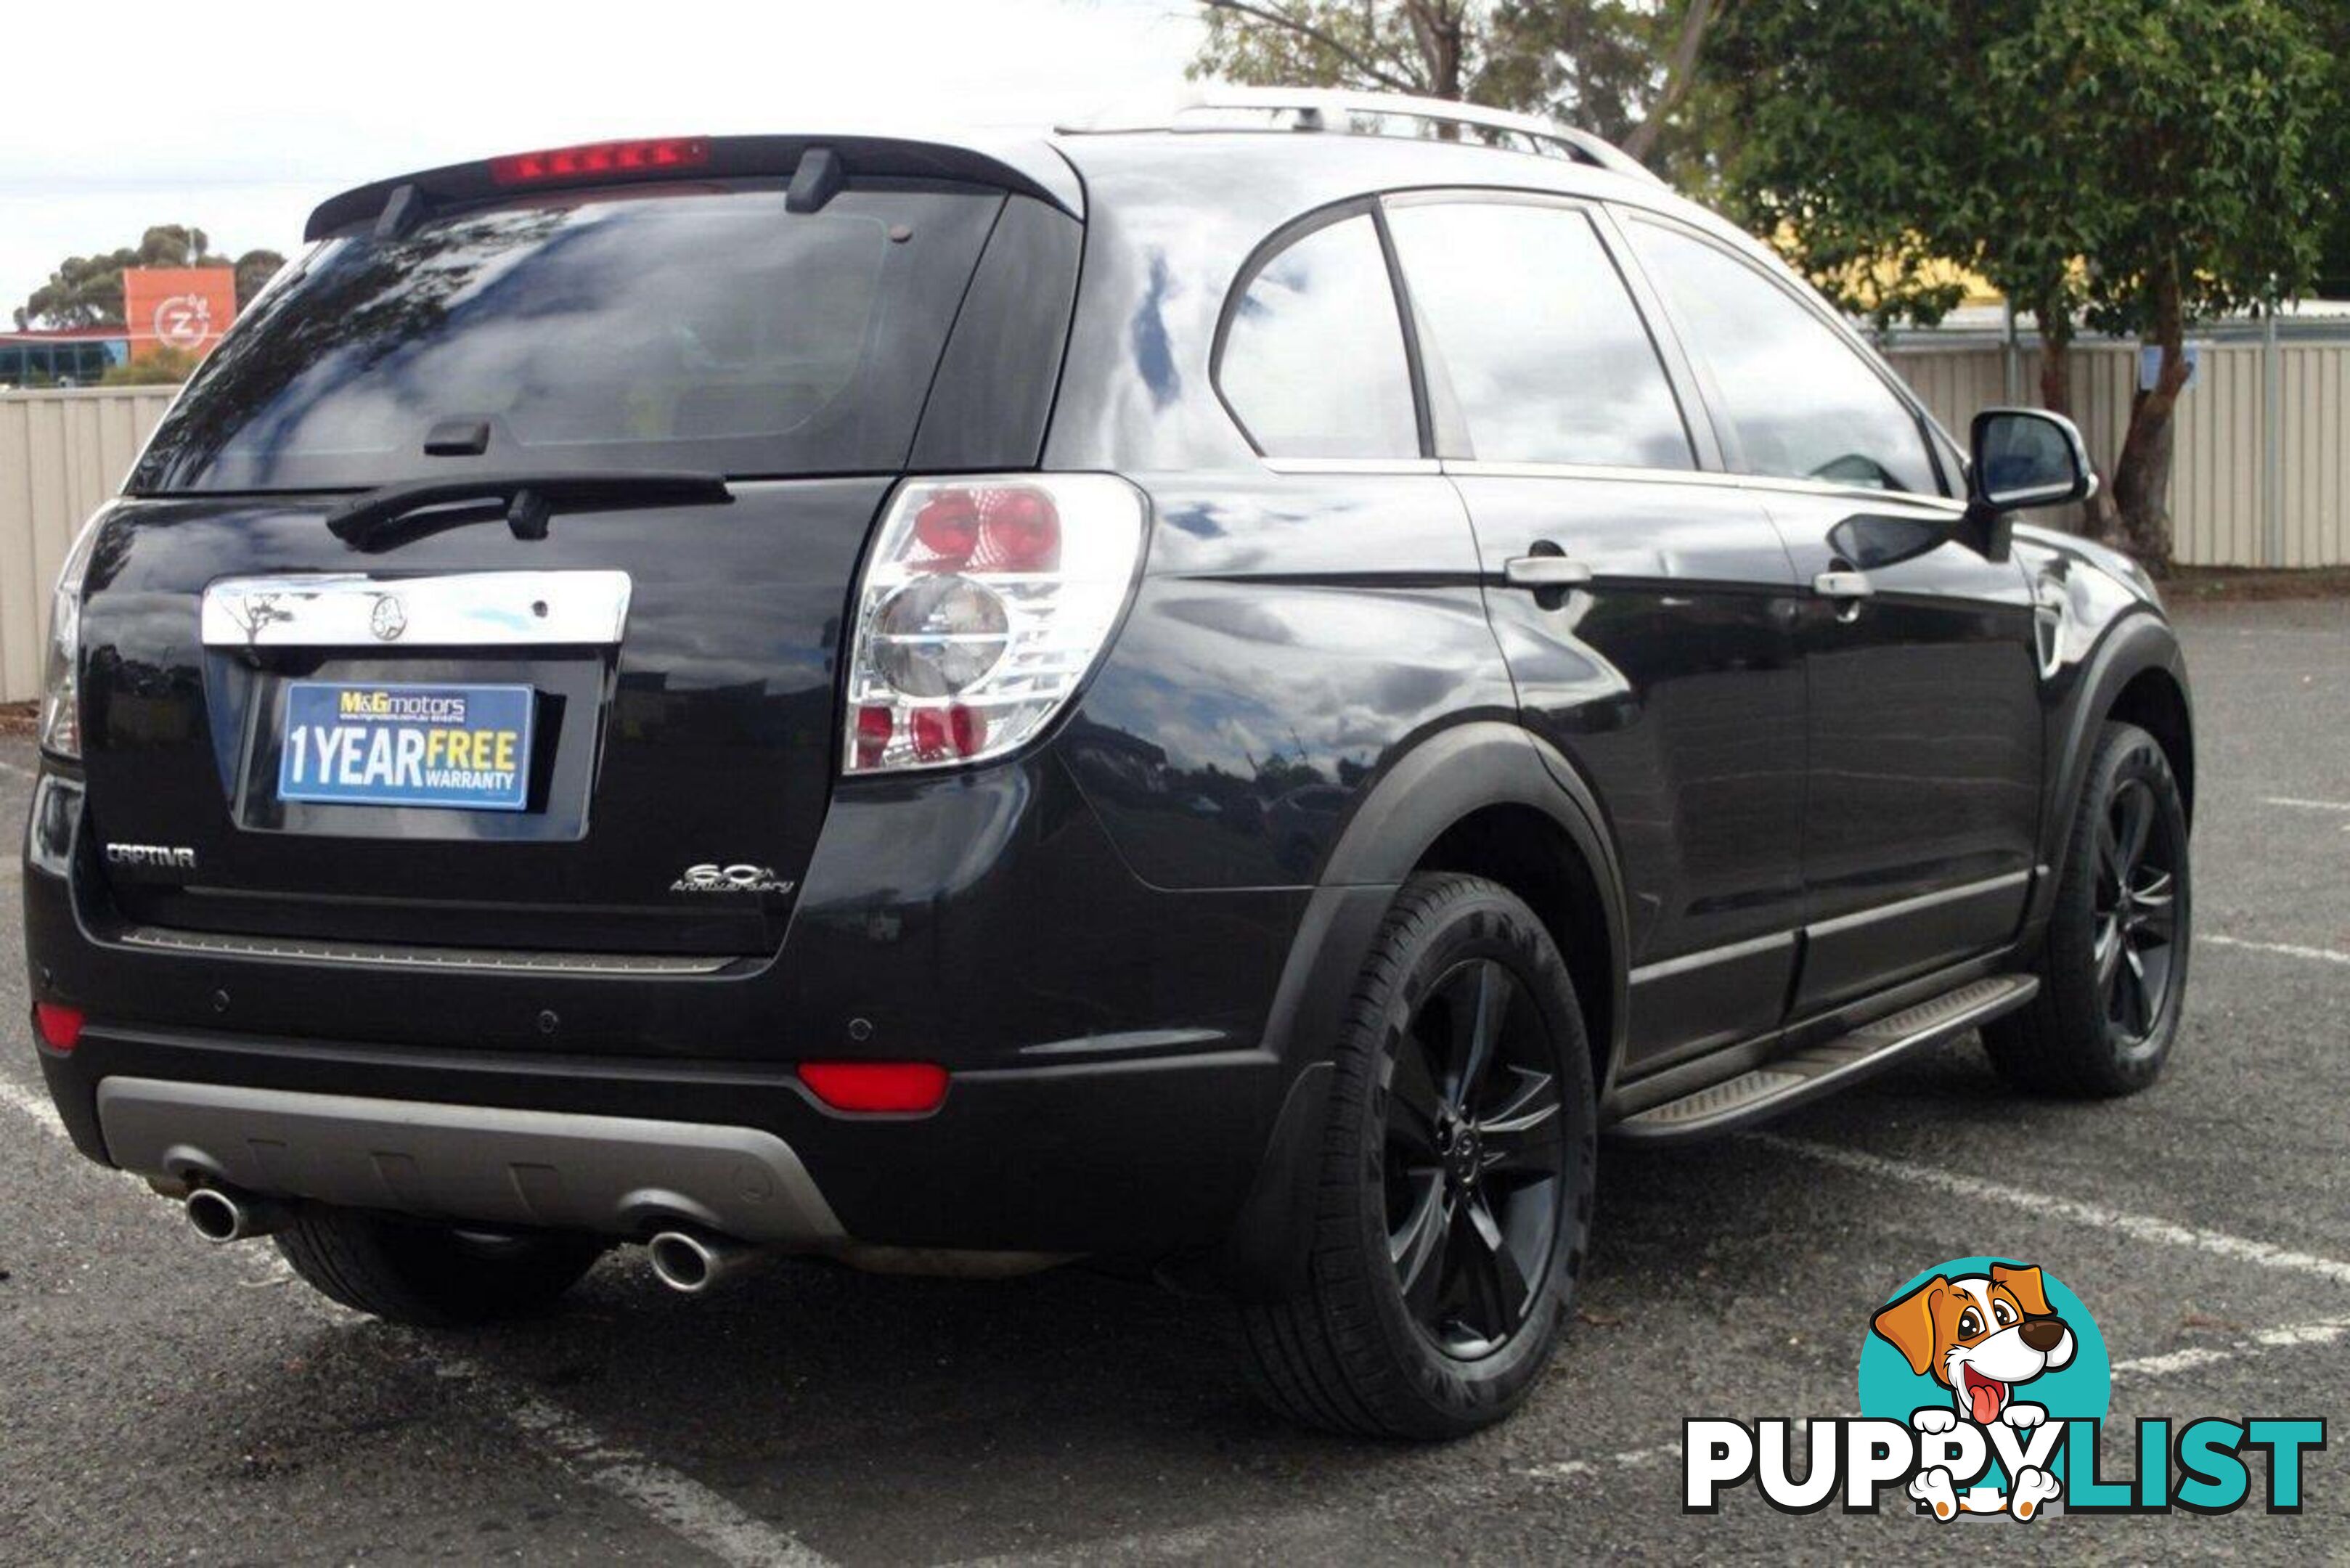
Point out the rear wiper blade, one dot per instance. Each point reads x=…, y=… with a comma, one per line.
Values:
x=529, y=500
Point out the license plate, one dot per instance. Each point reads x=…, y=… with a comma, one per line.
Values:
x=466, y=747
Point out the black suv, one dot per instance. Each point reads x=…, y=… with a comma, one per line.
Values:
x=1212, y=700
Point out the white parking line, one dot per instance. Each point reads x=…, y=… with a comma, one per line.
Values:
x=31, y=1103
x=1567, y=1470
x=2307, y=804
x=677, y=1503
x=2289, y=950
x=688, y=1507
x=2137, y=1227
x=20, y=772
x=2324, y=1332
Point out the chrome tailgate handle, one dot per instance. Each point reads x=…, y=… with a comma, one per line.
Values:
x=472, y=610
x=1545, y=572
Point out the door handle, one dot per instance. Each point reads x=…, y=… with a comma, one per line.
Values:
x=1843, y=584
x=1545, y=572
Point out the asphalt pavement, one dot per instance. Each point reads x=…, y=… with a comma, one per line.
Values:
x=164, y=1400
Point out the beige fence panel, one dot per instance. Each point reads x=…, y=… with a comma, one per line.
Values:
x=61, y=453
x=2218, y=484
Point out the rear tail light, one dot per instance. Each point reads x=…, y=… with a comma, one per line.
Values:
x=60, y=1025
x=985, y=602
x=875, y=1086
x=61, y=693
x=601, y=160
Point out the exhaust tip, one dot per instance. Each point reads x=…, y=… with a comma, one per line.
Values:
x=217, y=1217
x=683, y=1262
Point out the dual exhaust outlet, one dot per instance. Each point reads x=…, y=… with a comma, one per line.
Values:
x=687, y=1261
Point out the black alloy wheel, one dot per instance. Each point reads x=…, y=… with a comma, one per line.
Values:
x=2113, y=964
x=1451, y=1207
x=2136, y=912
x=1473, y=1155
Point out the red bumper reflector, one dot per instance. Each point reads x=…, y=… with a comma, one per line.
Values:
x=60, y=1025
x=876, y=1085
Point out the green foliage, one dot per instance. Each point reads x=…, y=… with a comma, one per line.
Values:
x=254, y=271
x=2151, y=139
x=165, y=367
x=87, y=291
x=2135, y=164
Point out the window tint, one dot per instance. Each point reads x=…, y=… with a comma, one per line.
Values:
x=1529, y=322
x=1312, y=361
x=1805, y=405
x=590, y=333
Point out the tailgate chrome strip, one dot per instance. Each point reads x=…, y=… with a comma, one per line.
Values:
x=472, y=609
x=378, y=955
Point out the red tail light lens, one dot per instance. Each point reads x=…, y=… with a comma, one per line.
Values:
x=1019, y=533
x=60, y=1025
x=900, y=1086
x=947, y=528
x=875, y=726
x=984, y=603
x=601, y=160
x=948, y=734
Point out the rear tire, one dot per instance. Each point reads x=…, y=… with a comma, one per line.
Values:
x=2113, y=971
x=428, y=1275
x=1454, y=1199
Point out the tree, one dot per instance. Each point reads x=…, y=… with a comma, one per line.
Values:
x=2332, y=18
x=1626, y=70
x=254, y=271
x=87, y=291
x=2132, y=165
x=165, y=367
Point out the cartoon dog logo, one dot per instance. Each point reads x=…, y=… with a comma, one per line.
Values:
x=1981, y=1336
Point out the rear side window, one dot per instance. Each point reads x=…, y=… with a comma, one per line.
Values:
x=710, y=331
x=1804, y=403
x=1313, y=361
x=1531, y=323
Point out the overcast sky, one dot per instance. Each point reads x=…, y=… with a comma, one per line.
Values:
x=239, y=118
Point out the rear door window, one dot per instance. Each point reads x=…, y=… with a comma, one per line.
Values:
x=1802, y=401
x=1312, y=361
x=1526, y=319
x=705, y=330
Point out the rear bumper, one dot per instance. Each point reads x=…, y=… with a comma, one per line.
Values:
x=1142, y=1159
x=1118, y=1053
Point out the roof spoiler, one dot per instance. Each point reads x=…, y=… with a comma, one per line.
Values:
x=1029, y=167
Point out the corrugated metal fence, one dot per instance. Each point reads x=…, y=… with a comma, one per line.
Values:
x=2219, y=480
x=62, y=452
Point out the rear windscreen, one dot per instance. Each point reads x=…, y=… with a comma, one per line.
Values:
x=705, y=330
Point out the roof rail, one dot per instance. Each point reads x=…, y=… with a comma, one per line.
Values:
x=1330, y=110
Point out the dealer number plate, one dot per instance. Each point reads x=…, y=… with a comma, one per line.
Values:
x=466, y=747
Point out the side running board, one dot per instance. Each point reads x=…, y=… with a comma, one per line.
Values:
x=1817, y=1070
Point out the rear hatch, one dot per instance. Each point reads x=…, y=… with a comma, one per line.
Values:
x=486, y=589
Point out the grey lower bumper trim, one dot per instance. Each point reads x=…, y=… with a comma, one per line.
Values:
x=614, y=1174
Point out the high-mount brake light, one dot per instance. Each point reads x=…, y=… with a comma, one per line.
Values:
x=601, y=160
x=985, y=602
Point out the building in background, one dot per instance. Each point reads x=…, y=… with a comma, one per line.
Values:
x=61, y=356
x=181, y=307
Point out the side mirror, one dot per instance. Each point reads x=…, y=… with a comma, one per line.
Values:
x=2023, y=458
